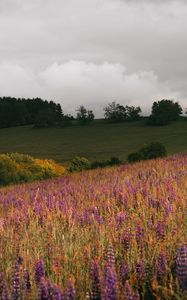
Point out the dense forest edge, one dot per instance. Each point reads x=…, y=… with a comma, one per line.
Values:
x=42, y=113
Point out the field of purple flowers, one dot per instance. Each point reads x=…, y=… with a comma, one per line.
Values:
x=116, y=233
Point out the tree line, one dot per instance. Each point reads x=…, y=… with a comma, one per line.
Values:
x=43, y=113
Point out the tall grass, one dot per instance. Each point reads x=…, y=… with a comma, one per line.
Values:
x=115, y=233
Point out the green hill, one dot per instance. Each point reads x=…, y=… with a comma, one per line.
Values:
x=96, y=141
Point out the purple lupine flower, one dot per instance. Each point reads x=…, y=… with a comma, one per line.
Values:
x=1, y=282
x=70, y=292
x=140, y=271
x=27, y=282
x=128, y=292
x=125, y=272
x=96, y=289
x=111, y=284
x=121, y=217
x=139, y=233
x=16, y=281
x=54, y=292
x=97, y=216
x=160, y=231
x=161, y=265
x=39, y=271
x=181, y=266
x=126, y=240
x=43, y=289
x=110, y=257
x=4, y=293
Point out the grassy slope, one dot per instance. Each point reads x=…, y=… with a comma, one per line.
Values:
x=97, y=141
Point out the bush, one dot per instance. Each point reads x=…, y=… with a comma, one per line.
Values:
x=150, y=151
x=8, y=170
x=79, y=164
x=98, y=164
x=153, y=150
x=113, y=161
x=19, y=168
x=134, y=156
x=163, y=112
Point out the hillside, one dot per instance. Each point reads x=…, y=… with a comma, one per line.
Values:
x=117, y=232
x=96, y=141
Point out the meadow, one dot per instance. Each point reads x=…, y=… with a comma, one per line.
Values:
x=115, y=233
x=96, y=141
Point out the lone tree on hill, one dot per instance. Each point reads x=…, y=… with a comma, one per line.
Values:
x=84, y=116
x=115, y=112
x=163, y=112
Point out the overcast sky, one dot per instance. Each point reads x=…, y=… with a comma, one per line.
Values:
x=92, y=52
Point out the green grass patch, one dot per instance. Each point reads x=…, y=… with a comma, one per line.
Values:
x=96, y=141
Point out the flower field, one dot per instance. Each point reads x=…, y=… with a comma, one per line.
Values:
x=116, y=233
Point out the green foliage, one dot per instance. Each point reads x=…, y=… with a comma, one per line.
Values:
x=79, y=164
x=66, y=120
x=133, y=113
x=46, y=118
x=21, y=158
x=113, y=161
x=84, y=116
x=18, y=168
x=8, y=170
x=115, y=112
x=163, y=112
x=18, y=112
x=150, y=151
x=134, y=156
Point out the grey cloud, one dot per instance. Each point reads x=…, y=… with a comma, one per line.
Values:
x=76, y=82
x=39, y=38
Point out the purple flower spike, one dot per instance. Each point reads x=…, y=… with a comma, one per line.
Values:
x=127, y=239
x=96, y=289
x=129, y=293
x=110, y=257
x=139, y=233
x=70, y=293
x=111, y=284
x=43, y=289
x=56, y=293
x=27, y=280
x=181, y=266
x=140, y=271
x=39, y=271
x=4, y=293
x=160, y=231
x=16, y=282
x=125, y=273
x=161, y=265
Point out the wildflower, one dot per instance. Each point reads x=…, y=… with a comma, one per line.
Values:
x=181, y=266
x=70, y=293
x=39, y=271
x=111, y=284
x=27, y=280
x=96, y=289
x=16, y=281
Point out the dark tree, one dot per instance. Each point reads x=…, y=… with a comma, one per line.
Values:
x=45, y=118
x=84, y=116
x=164, y=111
x=115, y=112
x=133, y=113
x=17, y=111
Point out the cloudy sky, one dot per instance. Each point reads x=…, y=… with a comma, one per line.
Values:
x=92, y=52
